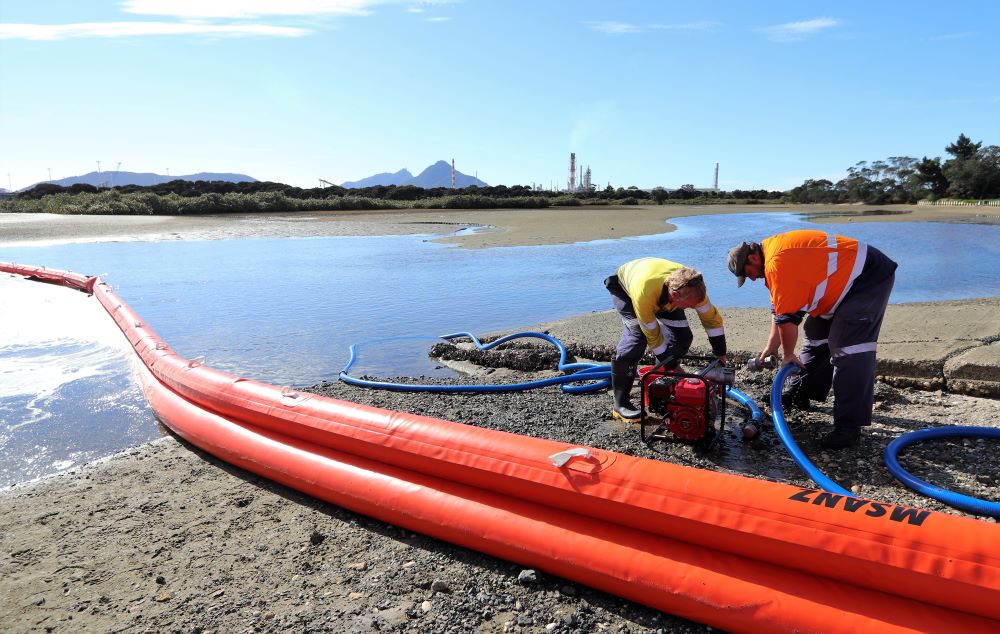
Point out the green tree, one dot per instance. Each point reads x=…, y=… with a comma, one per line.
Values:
x=972, y=172
x=963, y=148
x=930, y=177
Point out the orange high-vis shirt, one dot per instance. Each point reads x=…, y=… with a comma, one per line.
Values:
x=811, y=270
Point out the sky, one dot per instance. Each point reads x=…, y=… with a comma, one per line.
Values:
x=651, y=93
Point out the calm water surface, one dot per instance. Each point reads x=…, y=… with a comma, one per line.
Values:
x=285, y=311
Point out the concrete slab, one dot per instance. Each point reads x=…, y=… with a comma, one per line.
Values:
x=953, y=345
x=975, y=371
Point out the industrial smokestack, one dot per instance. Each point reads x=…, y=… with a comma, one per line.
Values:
x=572, y=172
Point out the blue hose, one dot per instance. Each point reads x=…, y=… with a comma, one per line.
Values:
x=781, y=427
x=957, y=500
x=594, y=376
x=755, y=414
x=597, y=376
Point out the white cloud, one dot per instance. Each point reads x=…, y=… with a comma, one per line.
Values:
x=613, y=28
x=50, y=32
x=796, y=31
x=243, y=9
x=689, y=26
x=195, y=18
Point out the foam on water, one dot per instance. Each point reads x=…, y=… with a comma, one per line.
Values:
x=52, y=336
x=62, y=362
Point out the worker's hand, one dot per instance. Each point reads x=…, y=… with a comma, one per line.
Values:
x=792, y=358
x=723, y=361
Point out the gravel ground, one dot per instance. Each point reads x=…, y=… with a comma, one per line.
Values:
x=164, y=538
x=967, y=466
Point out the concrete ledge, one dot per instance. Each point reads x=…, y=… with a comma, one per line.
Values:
x=951, y=345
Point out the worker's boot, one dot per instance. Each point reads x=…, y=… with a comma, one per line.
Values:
x=621, y=384
x=841, y=437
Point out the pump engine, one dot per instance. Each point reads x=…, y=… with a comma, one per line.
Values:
x=683, y=406
x=686, y=405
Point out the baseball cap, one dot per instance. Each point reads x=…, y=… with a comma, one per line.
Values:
x=738, y=259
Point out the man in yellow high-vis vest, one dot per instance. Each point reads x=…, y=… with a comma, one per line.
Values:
x=650, y=295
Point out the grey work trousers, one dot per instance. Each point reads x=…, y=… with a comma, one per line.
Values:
x=632, y=344
x=840, y=352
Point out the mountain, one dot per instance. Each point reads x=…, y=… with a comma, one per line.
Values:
x=437, y=175
x=385, y=178
x=145, y=179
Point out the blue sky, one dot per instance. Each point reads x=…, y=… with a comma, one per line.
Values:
x=646, y=93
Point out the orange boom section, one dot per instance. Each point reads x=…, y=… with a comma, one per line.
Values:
x=756, y=544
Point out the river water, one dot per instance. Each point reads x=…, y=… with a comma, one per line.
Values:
x=285, y=311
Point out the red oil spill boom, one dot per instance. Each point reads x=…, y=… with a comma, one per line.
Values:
x=736, y=553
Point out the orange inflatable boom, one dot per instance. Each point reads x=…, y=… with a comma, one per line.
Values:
x=733, y=552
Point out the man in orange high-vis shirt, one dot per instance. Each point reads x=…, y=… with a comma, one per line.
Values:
x=650, y=295
x=841, y=286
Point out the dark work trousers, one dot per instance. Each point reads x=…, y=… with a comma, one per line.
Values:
x=840, y=352
x=632, y=344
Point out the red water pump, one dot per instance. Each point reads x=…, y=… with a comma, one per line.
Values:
x=681, y=405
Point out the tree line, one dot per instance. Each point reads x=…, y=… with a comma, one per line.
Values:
x=972, y=173
x=178, y=198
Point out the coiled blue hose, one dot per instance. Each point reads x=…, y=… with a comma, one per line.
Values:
x=957, y=500
x=596, y=376
x=781, y=427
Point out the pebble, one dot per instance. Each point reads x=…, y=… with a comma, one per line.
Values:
x=440, y=586
x=527, y=577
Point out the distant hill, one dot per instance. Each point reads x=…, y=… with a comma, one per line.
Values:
x=145, y=179
x=385, y=178
x=437, y=175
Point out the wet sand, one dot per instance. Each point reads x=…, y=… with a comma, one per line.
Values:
x=504, y=227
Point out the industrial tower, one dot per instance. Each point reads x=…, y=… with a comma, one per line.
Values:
x=453, y=173
x=572, y=172
x=715, y=183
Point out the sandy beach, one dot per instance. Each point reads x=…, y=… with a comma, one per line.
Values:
x=165, y=538
x=502, y=227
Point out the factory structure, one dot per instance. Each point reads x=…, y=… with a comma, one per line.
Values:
x=581, y=180
x=581, y=184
